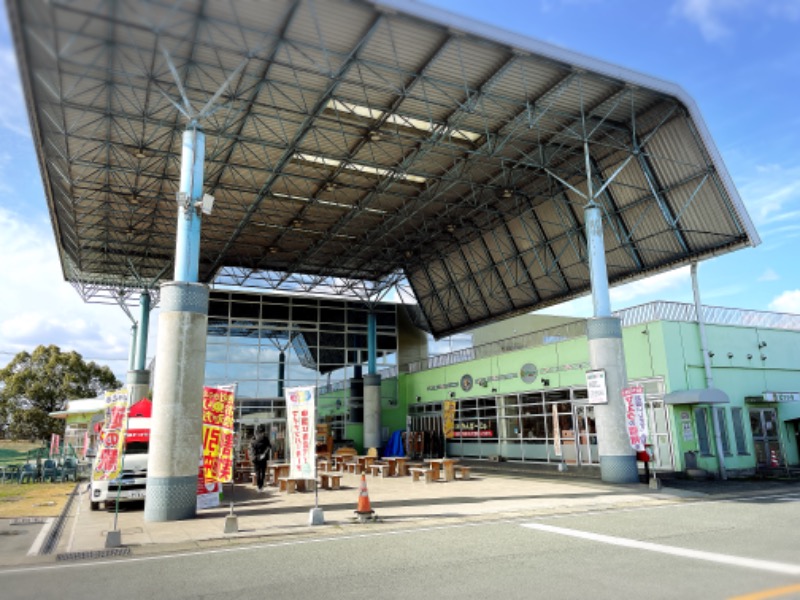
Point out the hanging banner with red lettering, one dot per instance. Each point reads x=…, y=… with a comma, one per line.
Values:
x=300, y=430
x=635, y=416
x=112, y=437
x=216, y=466
x=218, y=417
x=55, y=444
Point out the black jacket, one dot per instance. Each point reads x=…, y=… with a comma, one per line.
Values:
x=260, y=447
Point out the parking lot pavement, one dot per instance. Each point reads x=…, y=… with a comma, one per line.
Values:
x=398, y=502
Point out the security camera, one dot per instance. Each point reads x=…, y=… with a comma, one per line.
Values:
x=710, y=354
x=730, y=354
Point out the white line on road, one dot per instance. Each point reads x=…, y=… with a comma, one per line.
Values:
x=36, y=547
x=738, y=561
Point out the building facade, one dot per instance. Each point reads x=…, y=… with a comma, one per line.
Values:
x=520, y=390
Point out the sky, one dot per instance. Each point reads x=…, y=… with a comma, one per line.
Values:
x=738, y=59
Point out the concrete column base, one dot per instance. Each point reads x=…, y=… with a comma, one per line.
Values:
x=176, y=435
x=171, y=498
x=619, y=469
x=617, y=457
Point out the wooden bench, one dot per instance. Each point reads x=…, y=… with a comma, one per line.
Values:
x=463, y=471
x=290, y=485
x=341, y=456
x=330, y=480
x=379, y=469
x=417, y=472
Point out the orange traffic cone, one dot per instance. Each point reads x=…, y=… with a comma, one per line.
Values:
x=364, y=510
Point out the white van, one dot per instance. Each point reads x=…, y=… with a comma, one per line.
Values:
x=130, y=484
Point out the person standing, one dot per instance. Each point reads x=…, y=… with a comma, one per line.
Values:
x=259, y=454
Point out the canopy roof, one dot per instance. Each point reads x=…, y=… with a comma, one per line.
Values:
x=699, y=396
x=354, y=145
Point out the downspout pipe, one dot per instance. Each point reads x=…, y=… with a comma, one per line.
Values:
x=698, y=308
x=132, y=351
x=144, y=328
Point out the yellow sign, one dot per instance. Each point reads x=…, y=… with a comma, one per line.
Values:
x=449, y=418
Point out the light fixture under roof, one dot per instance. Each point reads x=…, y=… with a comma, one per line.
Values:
x=450, y=228
x=140, y=153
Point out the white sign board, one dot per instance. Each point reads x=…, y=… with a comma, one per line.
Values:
x=596, y=386
x=781, y=396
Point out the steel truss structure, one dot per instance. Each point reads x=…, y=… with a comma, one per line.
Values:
x=353, y=147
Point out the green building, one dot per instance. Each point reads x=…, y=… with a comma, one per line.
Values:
x=520, y=387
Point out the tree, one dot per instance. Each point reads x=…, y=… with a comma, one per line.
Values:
x=36, y=384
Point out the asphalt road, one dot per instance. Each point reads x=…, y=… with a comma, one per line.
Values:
x=746, y=549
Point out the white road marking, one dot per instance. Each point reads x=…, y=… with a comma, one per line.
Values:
x=737, y=561
x=36, y=547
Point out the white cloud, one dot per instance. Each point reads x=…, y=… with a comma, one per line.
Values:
x=656, y=287
x=712, y=16
x=669, y=286
x=38, y=307
x=787, y=302
x=708, y=15
x=13, y=115
x=769, y=275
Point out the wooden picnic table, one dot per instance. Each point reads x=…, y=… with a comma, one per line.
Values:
x=278, y=470
x=444, y=466
x=364, y=462
x=398, y=465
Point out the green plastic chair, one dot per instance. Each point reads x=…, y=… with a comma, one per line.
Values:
x=69, y=470
x=28, y=473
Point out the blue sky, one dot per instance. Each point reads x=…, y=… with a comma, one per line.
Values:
x=739, y=60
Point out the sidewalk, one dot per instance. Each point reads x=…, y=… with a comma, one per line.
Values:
x=398, y=503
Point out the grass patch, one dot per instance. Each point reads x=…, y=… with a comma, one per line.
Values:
x=19, y=500
x=33, y=499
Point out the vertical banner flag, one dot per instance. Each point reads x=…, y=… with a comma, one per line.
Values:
x=112, y=438
x=218, y=434
x=85, y=443
x=635, y=416
x=556, y=432
x=216, y=466
x=55, y=443
x=449, y=418
x=300, y=429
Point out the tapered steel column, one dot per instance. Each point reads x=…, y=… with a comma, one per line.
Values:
x=606, y=352
x=177, y=427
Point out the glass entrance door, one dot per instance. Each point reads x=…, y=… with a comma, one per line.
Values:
x=764, y=424
x=587, y=435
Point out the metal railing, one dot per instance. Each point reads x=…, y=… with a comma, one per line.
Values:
x=551, y=335
x=713, y=315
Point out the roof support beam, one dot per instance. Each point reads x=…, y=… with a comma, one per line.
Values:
x=319, y=106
